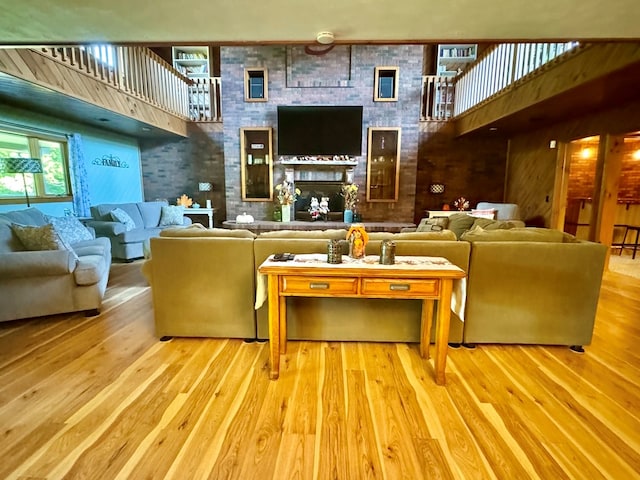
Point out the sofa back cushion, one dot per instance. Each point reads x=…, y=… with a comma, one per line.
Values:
x=103, y=212
x=151, y=212
x=339, y=234
x=504, y=211
x=9, y=242
x=197, y=230
x=527, y=234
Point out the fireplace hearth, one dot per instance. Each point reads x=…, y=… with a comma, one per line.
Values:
x=319, y=189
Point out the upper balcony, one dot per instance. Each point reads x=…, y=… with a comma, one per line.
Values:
x=133, y=91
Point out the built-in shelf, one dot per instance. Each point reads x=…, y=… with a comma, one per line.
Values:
x=452, y=58
x=192, y=61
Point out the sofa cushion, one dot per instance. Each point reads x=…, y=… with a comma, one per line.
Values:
x=527, y=234
x=138, y=235
x=171, y=215
x=70, y=229
x=435, y=224
x=487, y=224
x=328, y=234
x=504, y=211
x=151, y=213
x=103, y=212
x=197, y=230
x=119, y=215
x=460, y=223
x=28, y=216
x=442, y=235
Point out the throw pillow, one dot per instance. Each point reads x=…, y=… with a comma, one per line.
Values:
x=484, y=213
x=119, y=215
x=171, y=215
x=40, y=238
x=434, y=224
x=460, y=223
x=70, y=229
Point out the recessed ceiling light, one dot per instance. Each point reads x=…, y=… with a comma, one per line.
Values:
x=493, y=129
x=146, y=129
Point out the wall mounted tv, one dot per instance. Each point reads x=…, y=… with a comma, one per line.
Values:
x=320, y=130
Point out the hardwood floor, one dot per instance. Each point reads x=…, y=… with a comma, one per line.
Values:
x=102, y=398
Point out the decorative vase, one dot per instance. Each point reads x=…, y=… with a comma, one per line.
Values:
x=286, y=213
x=348, y=216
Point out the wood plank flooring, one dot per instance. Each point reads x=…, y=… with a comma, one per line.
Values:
x=102, y=398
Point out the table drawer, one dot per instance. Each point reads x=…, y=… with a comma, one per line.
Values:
x=319, y=285
x=400, y=287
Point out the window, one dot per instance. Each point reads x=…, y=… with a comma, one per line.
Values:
x=255, y=85
x=54, y=179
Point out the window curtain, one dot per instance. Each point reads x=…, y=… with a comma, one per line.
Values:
x=79, y=183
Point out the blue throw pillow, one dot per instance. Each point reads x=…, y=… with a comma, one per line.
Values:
x=171, y=215
x=70, y=229
x=119, y=215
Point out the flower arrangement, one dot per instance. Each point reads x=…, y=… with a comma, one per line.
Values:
x=461, y=204
x=350, y=194
x=285, y=193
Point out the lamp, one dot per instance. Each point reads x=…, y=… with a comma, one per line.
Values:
x=22, y=165
x=206, y=187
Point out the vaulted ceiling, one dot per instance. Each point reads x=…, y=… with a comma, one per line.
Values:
x=299, y=21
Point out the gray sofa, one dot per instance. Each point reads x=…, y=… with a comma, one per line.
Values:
x=37, y=283
x=129, y=244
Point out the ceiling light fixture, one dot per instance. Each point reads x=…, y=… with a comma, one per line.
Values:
x=323, y=38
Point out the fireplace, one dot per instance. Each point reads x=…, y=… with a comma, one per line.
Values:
x=319, y=189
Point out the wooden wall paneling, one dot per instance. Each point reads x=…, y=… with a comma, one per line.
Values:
x=29, y=65
x=604, y=217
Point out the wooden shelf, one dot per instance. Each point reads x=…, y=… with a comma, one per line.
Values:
x=191, y=61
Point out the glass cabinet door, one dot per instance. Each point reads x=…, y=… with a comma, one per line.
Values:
x=383, y=164
x=257, y=164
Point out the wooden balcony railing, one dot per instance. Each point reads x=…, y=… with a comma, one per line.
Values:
x=437, y=98
x=501, y=67
x=141, y=73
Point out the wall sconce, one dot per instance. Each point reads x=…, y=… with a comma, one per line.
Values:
x=636, y=155
x=206, y=187
x=436, y=188
x=585, y=153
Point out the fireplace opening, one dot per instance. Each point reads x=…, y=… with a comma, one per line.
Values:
x=319, y=189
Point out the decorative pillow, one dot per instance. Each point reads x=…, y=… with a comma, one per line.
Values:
x=460, y=223
x=484, y=213
x=40, y=238
x=70, y=229
x=171, y=215
x=119, y=215
x=435, y=224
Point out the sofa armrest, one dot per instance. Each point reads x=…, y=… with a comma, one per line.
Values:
x=106, y=229
x=36, y=264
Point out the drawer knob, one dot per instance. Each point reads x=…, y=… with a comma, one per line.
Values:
x=319, y=286
x=399, y=286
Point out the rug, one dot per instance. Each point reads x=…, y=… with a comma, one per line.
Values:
x=624, y=264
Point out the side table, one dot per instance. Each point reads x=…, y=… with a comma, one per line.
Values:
x=200, y=211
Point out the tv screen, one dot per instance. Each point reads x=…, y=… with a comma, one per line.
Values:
x=319, y=130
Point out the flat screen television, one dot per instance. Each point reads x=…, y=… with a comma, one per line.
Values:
x=320, y=130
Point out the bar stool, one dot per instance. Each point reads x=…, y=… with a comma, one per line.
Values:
x=624, y=243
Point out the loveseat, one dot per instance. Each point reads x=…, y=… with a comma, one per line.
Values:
x=128, y=226
x=36, y=282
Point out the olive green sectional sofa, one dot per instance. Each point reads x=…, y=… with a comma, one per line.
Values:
x=524, y=285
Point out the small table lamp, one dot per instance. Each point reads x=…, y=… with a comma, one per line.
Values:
x=22, y=165
x=206, y=187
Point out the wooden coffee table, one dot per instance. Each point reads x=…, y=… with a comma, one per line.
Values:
x=309, y=275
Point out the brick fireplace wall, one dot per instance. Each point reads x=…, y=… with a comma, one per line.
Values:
x=344, y=76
